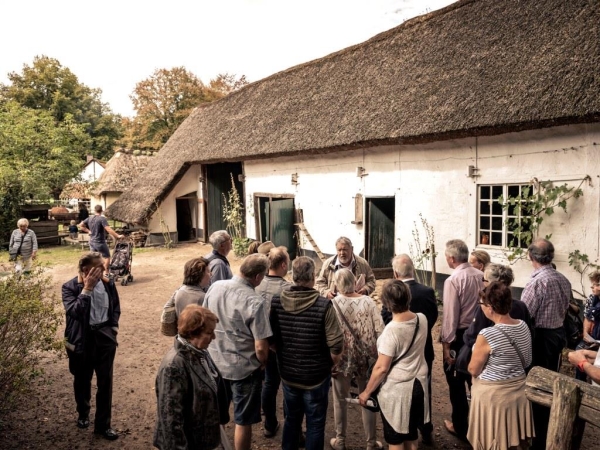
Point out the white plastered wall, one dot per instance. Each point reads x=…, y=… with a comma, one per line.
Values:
x=188, y=183
x=432, y=180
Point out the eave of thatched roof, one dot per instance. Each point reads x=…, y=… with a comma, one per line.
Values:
x=477, y=67
x=121, y=171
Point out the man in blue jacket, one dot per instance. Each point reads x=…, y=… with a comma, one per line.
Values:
x=92, y=309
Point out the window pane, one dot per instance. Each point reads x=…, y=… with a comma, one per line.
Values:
x=484, y=223
x=513, y=191
x=511, y=210
x=496, y=208
x=484, y=192
x=484, y=207
x=484, y=238
x=497, y=223
x=496, y=192
x=497, y=239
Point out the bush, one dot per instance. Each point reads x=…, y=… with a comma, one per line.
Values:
x=29, y=319
x=240, y=246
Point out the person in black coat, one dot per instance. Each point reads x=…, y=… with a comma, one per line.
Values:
x=92, y=310
x=422, y=301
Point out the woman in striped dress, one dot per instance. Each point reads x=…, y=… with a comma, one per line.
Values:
x=23, y=244
x=500, y=416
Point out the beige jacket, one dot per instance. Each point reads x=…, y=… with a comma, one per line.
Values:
x=324, y=282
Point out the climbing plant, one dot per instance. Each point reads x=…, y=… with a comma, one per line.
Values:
x=233, y=213
x=532, y=206
x=423, y=254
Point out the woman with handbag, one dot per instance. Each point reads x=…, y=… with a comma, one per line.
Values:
x=500, y=415
x=187, y=387
x=361, y=323
x=23, y=247
x=399, y=376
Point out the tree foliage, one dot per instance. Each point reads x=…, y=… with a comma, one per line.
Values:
x=38, y=156
x=164, y=100
x=48, y=86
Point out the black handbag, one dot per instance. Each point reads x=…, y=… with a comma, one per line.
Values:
x=374, y=402
x=463, y=359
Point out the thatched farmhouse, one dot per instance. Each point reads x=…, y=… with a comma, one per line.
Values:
x=435, y=117
x=120, y=174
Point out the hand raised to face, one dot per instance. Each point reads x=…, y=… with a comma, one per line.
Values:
x=90, y=279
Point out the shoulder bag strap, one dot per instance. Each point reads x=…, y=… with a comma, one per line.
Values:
x=22, y=240
x=358, y=342
x=512, y=342
x=411, y=343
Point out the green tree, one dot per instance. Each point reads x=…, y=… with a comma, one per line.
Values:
x=48, y=86
x=164, y=100
x=38, y=156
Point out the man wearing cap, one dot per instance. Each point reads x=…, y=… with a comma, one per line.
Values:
x=345, y=259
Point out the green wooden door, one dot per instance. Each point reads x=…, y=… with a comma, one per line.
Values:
x=380, y=239
x=282, y=224
x=218, y=178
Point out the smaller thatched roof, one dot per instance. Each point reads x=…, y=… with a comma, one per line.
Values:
x=120, y=172
x=77, y=190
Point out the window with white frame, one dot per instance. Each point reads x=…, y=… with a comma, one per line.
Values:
x=496, y=226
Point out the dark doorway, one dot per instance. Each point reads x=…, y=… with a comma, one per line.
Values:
x=186, y=211
x=218, y=182
x=275, y=221
x=380, y=229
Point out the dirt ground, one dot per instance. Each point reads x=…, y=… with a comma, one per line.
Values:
x=46, y=419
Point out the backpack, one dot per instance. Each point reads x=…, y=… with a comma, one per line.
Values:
x=573, y=325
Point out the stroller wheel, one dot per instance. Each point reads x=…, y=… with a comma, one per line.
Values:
x=130, y=278
x=124, y=281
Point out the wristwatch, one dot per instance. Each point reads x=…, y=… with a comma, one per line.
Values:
x=580, y=365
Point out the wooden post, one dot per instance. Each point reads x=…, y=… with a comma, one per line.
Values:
x=565, y=405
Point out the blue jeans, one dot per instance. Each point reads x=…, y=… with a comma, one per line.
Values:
x=269, y=392
x=298, y=403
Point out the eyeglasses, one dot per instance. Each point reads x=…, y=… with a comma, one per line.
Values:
x=484, y=280
x=481, y=302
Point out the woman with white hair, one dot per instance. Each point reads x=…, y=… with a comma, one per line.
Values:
x=361, y=323
x=23, y=246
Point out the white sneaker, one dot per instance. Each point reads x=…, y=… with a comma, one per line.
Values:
x=335, y=445
x=376, y=446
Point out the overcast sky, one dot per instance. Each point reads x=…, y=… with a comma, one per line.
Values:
x=113, y=44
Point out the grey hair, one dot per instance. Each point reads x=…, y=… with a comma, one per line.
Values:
x=542, y=251
x=498, y=272
x=23, y=222
x=217, y=238
x=343, y=240
x=253, y=265
x=345, y=282
x=403, y=266
x=458, y=250
x=303, y=270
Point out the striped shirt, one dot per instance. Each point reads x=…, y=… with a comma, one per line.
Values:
x=547, y=297
x=504, y=361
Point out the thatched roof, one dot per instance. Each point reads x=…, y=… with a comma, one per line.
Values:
x=477, y=67
x=121, y=172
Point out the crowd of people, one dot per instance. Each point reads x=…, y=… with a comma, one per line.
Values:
x=240, y=337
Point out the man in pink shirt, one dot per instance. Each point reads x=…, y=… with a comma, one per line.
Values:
x=460, y=297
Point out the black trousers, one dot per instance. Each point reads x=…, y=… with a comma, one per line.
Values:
x=547, y=351
x=98, y=356
x=457, y=385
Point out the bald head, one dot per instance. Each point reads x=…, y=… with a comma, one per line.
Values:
x=403, y=267
x=541, y=251
x=279, y=261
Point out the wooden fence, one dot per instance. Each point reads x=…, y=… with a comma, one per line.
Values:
x=572, y=403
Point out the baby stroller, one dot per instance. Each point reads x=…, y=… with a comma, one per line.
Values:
x=120, y=263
